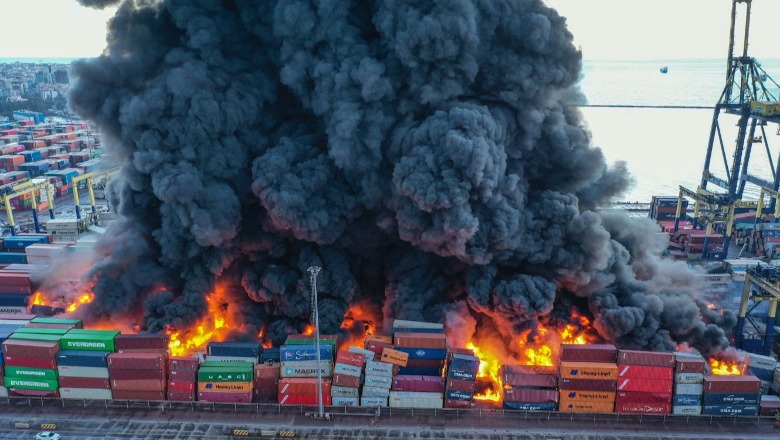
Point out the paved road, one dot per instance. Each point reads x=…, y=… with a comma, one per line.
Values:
x=99, y=420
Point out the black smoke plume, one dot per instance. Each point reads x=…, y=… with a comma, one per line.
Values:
x=422, y=153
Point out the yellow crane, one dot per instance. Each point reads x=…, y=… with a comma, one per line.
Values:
x=29, y=187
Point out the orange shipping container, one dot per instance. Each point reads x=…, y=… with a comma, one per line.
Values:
x=592, y=396
x=421, y=340
x=395, y=357
x=231, y=387
x=379, y=338
x=303, y=386
x=567, y=405
x=267, y=371
x=589, y=370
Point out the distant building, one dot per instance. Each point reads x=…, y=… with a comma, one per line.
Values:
x=61, y=76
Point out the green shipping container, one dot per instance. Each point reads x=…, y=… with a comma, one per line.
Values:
x=226, y=374
x=236, y=366
x=309, y=342
x=42, y=331
x=64, y=321
x=104, y=333
x=31, y=384
x=36, y=337
x=31, y=373
x=88, y=341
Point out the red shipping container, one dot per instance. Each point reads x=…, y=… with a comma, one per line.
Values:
x=20, y=317
x=264, y=395
x=530, y=380
x=18, y=392
x=377, y=347
x=527, y=369
x=227, y=397
x=140, y=361
x=587, y=384
x=730, y=384
x=303, y=399
x=461, y=385
x=83, y=382
x=38, y=349
x=138, y=395
x=142, y=341
x=138, y=385
x=643, y=372
x=644, y=385
x=589, y=353
x=343, y=380
x=529, y=395
x=690, y=366
x=643, y=408
x=131, y=374
x=18, y=290
x=421, y=340
x=425, y=363
x=769, y=408
x=303, y=386
x=423, y=384
x=464, y=404
x=183, y=363
x=350, y=358
x=183, y=376
x=643, y=397
x=30, y=362
x=181, y=397
x=270, y=371
x=14, y=279
x=646, y=358
x=311, y=338
x=181, y=387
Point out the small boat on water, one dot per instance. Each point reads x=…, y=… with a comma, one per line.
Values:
x=664, y=69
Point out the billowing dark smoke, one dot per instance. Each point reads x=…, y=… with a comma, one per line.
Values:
x=422, y=153
x=99, y=4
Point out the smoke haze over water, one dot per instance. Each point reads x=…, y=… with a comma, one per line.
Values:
x=420, y=152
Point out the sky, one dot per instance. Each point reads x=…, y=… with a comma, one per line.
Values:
x=606, y=29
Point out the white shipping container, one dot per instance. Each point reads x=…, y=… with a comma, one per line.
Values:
x=3, y=392
x=252, y=360
x=401, y=323
x=762, y=362
x=690, y=378
x=64, y=224
x=66, y=233
x=85, y=393
x=378, y=381
x=681, y=410
x=411, y=399
x=34, y=259
x=347, y=370
x=19, y=322
x=376, y=368
x=373, y=401
x=345, y=401
x=367, y=354
x=43, y=250
x=14, y=310
x=770, y=398
x=343, y=392
x=93, y=372
x=690, y=389
x=375, y=392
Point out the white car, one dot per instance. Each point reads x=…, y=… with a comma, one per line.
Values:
x=47, y=435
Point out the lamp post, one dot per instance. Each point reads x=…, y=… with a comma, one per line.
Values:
x=315, y=315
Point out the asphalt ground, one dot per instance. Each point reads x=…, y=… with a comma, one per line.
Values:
x=23, y=418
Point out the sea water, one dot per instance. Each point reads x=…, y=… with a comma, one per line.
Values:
x=665, y=148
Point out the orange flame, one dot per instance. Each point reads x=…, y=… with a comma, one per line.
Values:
x=39, y=300
x=488, y=372
x=726, y=368
x=82, y=299
x=185, y=342
x=309, y=330
x=358, y=324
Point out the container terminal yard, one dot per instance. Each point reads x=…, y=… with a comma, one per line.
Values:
x=125, y=326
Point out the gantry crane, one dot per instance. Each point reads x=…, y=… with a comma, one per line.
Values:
x=29, y=187
x=747, y=95
x=762, y=283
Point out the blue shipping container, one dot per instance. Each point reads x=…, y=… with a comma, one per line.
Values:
x=732, y=399
x=13, y=257
x=13, y=300
x=464, y=362
x=236, y=349
x=420, y=371
x=305, y=352
x=424, y=353
x=462, y=375
x=83, y=358
x=22, y=241
x=2, y=361
x=730, y=410
x=270, y=356
x=765, y=375
x=459, y=395
x=531, y=406
x=686, y=400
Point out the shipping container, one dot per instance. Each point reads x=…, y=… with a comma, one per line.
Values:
x=21, y=348
x=589, y=353
x=267, y=370
x=403, y=399
x=690, y=366
x=378, y=338
x=732, y=399
x=761, y=374
x=349, y=370
x=461, y=375
x=344, y=380
x=421, y=340
x=531, y=406
x=378, y=381
x=402, y=324
x=233, y=387
x=732, y=384
x=369, y=391
x=349, y=358
x=367, y=354
x=85, y=393
x=643, y=397
x=303, y=386
x=527, y=369
x=140, y=361
x=691, y=389
x=589, y=370
x=395, y=357
x=689, y=378
x=373, y=401
x=235, y=349
x=686, y=400
x=645, y=372
x=345, y=401
x=378, y=368
x=303, y=399
x=31, y=373
x=32, y=362
x=74, y=340
x=762, y=362
x=426, y=363
x=645, y=358
x=305, y=353
x=460, y=385
x=84, y=382
x=135, y=374
x=183, y=376
x=464, y=362
x=421, y=353
x=420, y=371
x=410, y=383
x=22, y=392
x=530, y=395
x=33, y=336
x=177, y=396
x=458, y=395
x=594, y=396
x=288, y=369
x=644, y=385
x=730, y=410
x=529, y=380
x=13, y=382
x=378, y=347
x=769, y=406
x=686, y=410
x=157, y=341
x=643, y=408
x=138, y=395
x=182, y=387
x=343, y=392
x=566, y=405
x=331, y=340
x=74, y=371
x=138, y=384
x=183, y=363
